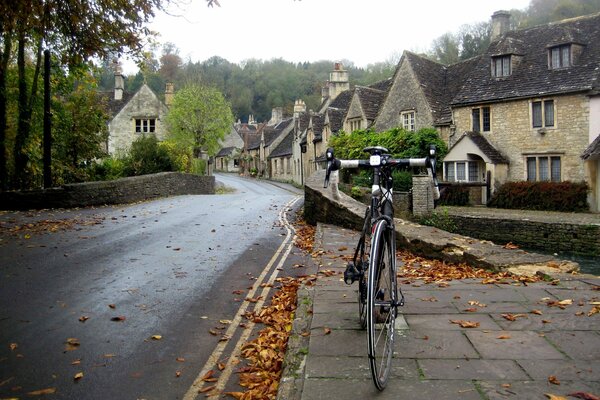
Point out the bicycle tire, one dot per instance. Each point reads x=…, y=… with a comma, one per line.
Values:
x=362, y=263
x=381, y=304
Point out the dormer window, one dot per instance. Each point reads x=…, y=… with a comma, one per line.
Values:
x=501, y=66
x=559, y=56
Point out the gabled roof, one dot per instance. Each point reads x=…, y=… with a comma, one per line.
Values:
x=317, y=126
x=531, y=77
x=272, y=132
x=284, y=148
x=484, y=146
x=114, y=106
x=342, y=101
x=225, y=151
x=440, y=83
x=253, y=140
x=371, y=100
x=593, y=150
x=336, y=119
x=384, y=85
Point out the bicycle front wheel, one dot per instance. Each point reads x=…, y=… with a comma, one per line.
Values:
x=382, y=297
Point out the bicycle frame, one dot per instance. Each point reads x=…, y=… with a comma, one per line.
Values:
x=378, y=295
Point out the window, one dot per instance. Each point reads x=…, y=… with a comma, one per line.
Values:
x=542, y=113
x=543, y=168
x=559, y=56
x=408, y=121
x=462, y=171
x=354, y=124
x=145, y=125
x=481, y=119
x=501, y=66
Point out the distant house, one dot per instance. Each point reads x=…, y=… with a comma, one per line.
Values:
x=134, y=115
x=535, y=98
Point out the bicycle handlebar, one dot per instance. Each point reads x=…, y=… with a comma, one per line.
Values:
x=380, y=160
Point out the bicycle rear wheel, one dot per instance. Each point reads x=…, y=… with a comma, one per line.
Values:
x=381, y=304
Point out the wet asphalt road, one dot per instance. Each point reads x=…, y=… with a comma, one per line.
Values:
x=166, y=267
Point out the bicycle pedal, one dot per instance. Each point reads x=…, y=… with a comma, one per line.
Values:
x=350, y=274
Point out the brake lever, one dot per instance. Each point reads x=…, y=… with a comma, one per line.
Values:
x=330, y=163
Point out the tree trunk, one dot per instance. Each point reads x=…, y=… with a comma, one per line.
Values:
x=25, y=108
x=4, y=58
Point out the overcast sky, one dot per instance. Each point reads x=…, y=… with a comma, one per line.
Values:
x=362, y=31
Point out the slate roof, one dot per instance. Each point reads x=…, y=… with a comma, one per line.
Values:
x=371, y=100
x=486, y=147
x=336, y=119
x=284, y=148
x=532, y=77
x=317, y=126
x=272, y=132
x=342, y=101
x=114, y=106
x=253, y=140
x=384, y=85
x=593, y=150
x=225, y=151
x=440, y=83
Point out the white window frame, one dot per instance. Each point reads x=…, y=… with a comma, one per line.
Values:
x=407, y=118
x=451, y=171
x=145, y=125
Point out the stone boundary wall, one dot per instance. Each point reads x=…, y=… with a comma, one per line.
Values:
x=553, y=237
x=333, y=207
x=119, y=191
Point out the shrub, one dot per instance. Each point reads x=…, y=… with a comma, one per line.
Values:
x=108, y=169
x=147, y=157
x=454, y=196
x=548, y=196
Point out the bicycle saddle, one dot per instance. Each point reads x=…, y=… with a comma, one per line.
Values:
x=376, y=150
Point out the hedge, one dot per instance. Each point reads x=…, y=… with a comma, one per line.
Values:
x=548, y=196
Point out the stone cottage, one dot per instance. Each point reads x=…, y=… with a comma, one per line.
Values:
x=134, y=115
x=534, y=97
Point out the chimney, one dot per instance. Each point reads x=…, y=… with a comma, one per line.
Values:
x=500, y=24
x=169, y=92
x=119, y=82
x=338, y=80
x=325, y=92
x=276, y=116
x=299, y=108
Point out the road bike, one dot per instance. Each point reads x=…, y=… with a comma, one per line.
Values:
x=374, y=261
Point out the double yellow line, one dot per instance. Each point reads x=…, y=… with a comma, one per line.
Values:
x=217, y=353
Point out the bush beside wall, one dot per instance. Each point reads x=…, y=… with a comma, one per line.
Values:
x=546, y=196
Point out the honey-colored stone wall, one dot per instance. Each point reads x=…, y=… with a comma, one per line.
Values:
x=512, y=133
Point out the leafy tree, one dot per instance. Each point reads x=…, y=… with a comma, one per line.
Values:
x=80, y=130
x=445, y=49
x=76, y=31
x=198, y=118
x=170, y=62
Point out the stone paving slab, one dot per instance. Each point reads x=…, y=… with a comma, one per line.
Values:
x=472, y=369
x=517, y=344
x=437, y=359
x=534, y=390
x=344, y=367
x=328, y=389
